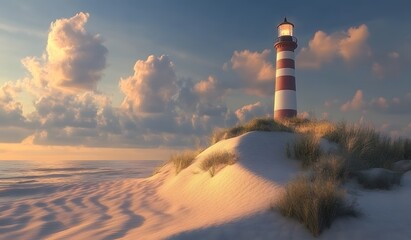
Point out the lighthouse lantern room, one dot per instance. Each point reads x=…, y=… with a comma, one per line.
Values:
x=285, y=28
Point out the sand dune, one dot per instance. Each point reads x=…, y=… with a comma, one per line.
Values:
x=234, y=204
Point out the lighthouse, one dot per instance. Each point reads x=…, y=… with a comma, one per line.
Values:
x=285, y=100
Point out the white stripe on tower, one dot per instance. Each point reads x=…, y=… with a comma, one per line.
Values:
x=285, y=99
x=285, y=55
x=284, y=72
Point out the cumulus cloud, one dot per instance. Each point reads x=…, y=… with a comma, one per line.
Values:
x=14, y=126
x=158, y=109
x=255, y=72
x=395, y=105
x=395, y=130
x=74, y=59
x=11, y=111
x=253, y=65
x=59, y=110
x=157, y=102
x=75, y=119
x=210, y=89
x=251, y=111
x=323, y=48
x=356, y=103
x=67, y=110
x=151, y=87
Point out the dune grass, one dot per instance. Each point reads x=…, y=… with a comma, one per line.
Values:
x=331, y=167
x=306, y=148
x=183, y=160
x=365, y=148
x=315, y=203
x=218, y=160
x=309, y=126
x=258, y=124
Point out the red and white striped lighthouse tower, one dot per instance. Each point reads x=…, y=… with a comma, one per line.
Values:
x=285, y=102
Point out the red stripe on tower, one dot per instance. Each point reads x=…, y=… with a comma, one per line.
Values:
x=285, y=100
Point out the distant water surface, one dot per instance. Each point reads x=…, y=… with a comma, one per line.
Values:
x=23, y=179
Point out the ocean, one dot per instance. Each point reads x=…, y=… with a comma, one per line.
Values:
x=27, y=179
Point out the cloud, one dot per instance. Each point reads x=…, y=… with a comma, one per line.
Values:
x=323, y=48
x=395, y=130
x=304, y=114
x=11, y=111
x=210, y=89
x=251, y=111
x=69, y=110
x=74, y=59
x=253, y=65
x=395, y=105
x=254, y=71
x=354, y=45
x=14, y=126
x=158, y=108
x=151, y=87
x=356, y=103
x=387, y=66
x=75, y=119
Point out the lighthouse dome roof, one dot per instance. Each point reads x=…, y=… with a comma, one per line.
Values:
x=285, y=22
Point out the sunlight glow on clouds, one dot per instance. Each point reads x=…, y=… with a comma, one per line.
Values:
x=323, y=48
x=248, y=112
x=158, y=108
x=395, y=105
x=255, y=71
x=355, y=103
x=74, y=59
x=151, y=87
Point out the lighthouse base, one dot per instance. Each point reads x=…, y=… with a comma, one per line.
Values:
x=285, y=113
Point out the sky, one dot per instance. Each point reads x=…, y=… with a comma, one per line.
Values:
x=129, y=79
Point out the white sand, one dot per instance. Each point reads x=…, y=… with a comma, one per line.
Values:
x=234, y=204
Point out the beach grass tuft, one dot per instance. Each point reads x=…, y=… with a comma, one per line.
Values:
x=315, y=203
x=218, y=160
x=331, y=167
x=365, y=148
x=184, y=159
x=306, y=148
x=258, y=124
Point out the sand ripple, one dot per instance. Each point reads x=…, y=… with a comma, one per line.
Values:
x=81, y=211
